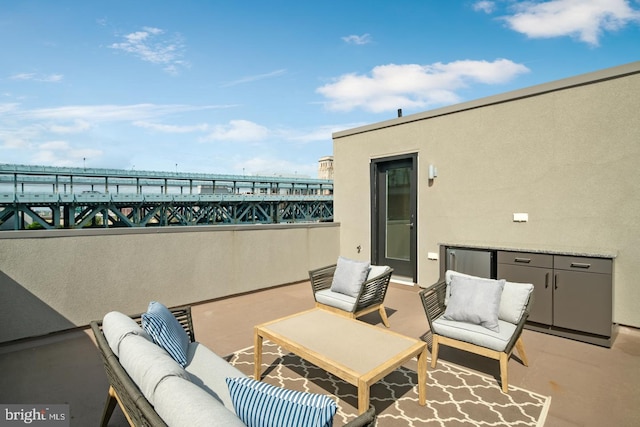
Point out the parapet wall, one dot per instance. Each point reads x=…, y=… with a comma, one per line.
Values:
x=59, y=279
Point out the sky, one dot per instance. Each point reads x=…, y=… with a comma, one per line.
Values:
x=259, y=86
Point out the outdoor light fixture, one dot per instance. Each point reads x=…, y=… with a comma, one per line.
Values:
x=433, y=171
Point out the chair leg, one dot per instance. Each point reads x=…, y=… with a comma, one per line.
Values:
x=109, y=406
x=434, y=351
x=521, y=352
x=504, y=377
x=383, y=315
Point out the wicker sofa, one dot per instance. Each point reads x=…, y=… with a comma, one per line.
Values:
x=163, y=394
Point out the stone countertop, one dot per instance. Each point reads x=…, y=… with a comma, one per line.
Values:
x=553, y=250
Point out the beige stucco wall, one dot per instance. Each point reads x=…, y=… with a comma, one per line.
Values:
x=58, y=279
x=569, y=158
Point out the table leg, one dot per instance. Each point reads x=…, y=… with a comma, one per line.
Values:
x=422, y=377
x=363, y=396
x=257, y=355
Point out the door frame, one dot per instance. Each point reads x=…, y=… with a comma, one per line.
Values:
x=375, y=237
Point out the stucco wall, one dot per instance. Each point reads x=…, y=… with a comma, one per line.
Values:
x=567, y=157
x=59, y=279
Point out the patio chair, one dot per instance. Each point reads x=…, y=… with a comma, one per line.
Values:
x=482, y=316
x=351, y=288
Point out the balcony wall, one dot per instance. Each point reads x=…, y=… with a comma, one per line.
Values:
x=59, y=279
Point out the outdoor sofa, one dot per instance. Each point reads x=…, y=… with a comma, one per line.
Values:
x=154, y=389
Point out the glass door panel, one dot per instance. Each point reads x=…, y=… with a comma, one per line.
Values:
x=398, y=214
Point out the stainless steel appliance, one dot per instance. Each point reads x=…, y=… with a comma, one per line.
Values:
x=476, y=262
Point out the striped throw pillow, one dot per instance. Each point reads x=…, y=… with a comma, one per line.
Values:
x=260, y=404
x=166, y=331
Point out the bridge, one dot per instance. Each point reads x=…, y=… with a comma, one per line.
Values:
x=59, y=197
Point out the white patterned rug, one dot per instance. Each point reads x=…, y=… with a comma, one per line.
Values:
x=455, y=396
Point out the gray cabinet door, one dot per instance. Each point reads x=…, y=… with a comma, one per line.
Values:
x=540, y=278
x=583, y=301
x=534, y=268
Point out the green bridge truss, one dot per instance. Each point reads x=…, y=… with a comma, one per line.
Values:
x=48, y=197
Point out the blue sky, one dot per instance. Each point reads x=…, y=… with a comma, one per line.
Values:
x=258, y=87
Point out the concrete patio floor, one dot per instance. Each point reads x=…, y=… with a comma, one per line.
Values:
x=589, y=385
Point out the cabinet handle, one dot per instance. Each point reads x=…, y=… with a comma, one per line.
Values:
x=555, y=281
x=546, y=280
x=580, y=265
x=523, y=260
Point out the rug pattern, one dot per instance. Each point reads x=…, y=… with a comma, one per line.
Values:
x=455, y=396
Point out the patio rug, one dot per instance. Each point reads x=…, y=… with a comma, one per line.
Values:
x=455, y=396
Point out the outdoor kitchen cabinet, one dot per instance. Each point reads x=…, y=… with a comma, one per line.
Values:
x=573, y=295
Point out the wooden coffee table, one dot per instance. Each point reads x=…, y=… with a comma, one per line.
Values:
x=354, y=351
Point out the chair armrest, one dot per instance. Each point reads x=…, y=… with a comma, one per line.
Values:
x=367, y=419
x=433, y=301
x=520, y=325
x=373, y=291
x=321, y=278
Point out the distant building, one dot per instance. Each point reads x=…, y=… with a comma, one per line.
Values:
x=325, y=167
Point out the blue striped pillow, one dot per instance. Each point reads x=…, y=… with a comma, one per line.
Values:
x=260, y=404
x=166, y=331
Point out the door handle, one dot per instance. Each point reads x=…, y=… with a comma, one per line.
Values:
x=546, y=280
x=580, y=265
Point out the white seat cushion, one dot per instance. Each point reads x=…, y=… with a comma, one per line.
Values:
x=209, y=371
x=336, y=299
x=475, y=334
x=514, y=300
x=116, y=326
x=147, y=364
x=377, y=270
x=181, y=403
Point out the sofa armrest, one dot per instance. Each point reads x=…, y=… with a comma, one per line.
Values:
x=134, y=404
x=367, y=419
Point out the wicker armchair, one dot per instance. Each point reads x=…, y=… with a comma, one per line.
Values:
x=370, y=298
x=467, y=337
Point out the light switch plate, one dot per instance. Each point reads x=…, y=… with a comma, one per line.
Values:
x=520, y=217
x=432, y=255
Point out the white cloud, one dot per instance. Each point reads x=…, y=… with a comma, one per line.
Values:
x=256, y=77
x=108, y=112
x=484, y=6
x=8, y=107
x=389, y=87
x=584, y=19
x=78, y=126
x=359, y=40
x=149, y=45
x=51, y=78
x=203, y=127
x=238, y=130
x=271, y=166
x=322, y=133
x=61, y=153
